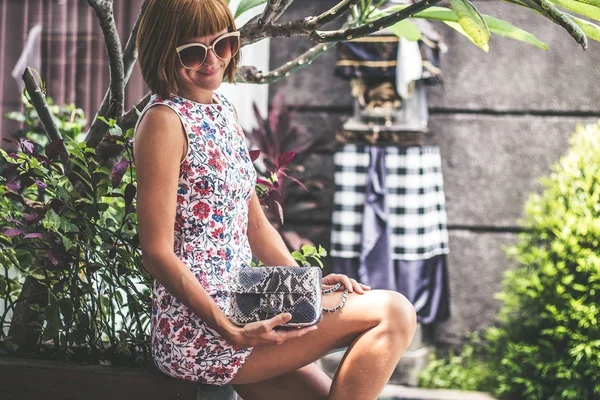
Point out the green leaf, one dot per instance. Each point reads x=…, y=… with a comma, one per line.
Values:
x=457, y=27
x=115, y=130
x=111, y=122
x=129, y=133
x=66, y=242
x=472, y=22
x=308, y=250
x=503, y=28
x=590, y=29
x=51, y=220
x=80, y=164
x=590, y=2
x=246, y=5
x=299, y=257
x=406, y=29
x=37, y=274
x=586, y=10
x=119, y=298
x=495, y=25
x=322, y=251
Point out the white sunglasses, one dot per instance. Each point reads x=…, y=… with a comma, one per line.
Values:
x=193, y=55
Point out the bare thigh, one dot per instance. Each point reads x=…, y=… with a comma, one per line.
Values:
x=307, y=383
x=336, y=330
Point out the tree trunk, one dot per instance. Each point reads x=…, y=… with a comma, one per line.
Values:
x=20, y=331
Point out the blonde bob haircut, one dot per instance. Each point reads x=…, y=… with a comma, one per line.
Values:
x=165, y=25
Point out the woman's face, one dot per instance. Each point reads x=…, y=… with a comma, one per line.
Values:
x=209, y=75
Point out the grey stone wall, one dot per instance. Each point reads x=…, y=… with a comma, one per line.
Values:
x=501, y=119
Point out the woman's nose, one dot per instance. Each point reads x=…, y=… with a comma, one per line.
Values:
x=211, y=57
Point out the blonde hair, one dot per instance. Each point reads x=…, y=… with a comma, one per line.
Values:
x=165, y=25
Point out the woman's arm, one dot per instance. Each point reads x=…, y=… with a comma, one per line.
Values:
x=159, y=148
x=265, y=241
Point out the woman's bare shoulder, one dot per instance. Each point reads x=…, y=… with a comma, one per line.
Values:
x=159, y=117
x=161, y=127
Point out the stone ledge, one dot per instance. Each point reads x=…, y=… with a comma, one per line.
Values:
x=396, y=392
x=49, y=380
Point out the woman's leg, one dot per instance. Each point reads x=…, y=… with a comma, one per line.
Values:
x=306, y=383
x=376, y=327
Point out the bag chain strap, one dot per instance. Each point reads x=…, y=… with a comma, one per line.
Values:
x=332, y=289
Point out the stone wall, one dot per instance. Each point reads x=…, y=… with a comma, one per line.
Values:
x=501, y=119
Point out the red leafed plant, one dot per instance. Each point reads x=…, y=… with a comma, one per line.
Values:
x=282, y=145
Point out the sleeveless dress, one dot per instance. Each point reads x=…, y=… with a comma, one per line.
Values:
x=216, y=183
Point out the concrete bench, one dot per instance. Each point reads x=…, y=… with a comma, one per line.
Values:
x=25, y=379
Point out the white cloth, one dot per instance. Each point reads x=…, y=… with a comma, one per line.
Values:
x=409, y=67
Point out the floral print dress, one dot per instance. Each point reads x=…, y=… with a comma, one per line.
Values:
x=216, y=182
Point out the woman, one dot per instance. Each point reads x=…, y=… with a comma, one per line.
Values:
x=199, y=216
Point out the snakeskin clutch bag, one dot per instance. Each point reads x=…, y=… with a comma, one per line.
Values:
x=259, y=293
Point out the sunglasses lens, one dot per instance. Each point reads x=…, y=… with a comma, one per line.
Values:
x=227, y=47
x=192, y=57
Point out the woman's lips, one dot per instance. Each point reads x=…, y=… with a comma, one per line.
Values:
x=209, y=73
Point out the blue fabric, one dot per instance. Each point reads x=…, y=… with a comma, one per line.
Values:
x=423, y=282
x=376, y=267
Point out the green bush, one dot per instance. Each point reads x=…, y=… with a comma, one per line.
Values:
x=468, y=369
x=546, y=344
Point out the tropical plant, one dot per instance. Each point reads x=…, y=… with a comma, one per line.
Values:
x=283, y=146
x=70, y=252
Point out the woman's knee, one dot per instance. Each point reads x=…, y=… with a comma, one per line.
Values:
x=400, y=317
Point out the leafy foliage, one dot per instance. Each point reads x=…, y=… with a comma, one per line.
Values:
x=466, y=370
x=69, y=119
x=78, y=238
x=547, y=343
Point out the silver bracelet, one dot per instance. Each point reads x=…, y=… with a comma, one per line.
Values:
x=342, y=302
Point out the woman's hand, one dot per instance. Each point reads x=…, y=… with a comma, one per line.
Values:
x=350, y=284
x=264, y=333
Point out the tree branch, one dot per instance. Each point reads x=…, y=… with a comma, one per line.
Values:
x=252, y=32
x=249, y=74
x=103, y=9
x=374, y=26
x=98, y=128
x=255, y=30
x=130, y=53
x=273, y=10
x=283, y=5
x=38, y=101
x=333, y=13
x=268, y=13
x=550, y=11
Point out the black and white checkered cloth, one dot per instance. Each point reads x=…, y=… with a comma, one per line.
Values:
x=415, y=201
